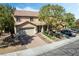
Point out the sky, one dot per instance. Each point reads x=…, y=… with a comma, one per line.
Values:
x=69, y=7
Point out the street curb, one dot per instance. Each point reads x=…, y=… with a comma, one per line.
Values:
x=43, y=49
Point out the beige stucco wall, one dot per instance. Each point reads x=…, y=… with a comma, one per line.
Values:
x=25, y=19
x=35, y=20
x=22, y=20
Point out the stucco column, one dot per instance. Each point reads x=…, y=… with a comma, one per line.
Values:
x=15, y=22
x=15, y=30
x=35, y=31
x=42, y=29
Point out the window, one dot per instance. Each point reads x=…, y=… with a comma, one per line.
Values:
x=31, y=18
x=18, y=19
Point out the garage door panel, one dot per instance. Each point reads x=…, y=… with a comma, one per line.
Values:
x=28, y=31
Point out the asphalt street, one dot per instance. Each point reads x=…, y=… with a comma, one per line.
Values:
x=71, y=49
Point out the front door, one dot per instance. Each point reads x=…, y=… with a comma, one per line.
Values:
x=39, y=28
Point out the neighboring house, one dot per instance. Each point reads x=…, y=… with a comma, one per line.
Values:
x=27, y=22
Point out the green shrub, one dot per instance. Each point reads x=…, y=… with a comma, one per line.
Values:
x=48, y=35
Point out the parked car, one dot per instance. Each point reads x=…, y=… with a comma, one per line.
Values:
x=75, y=30
x=68, y=33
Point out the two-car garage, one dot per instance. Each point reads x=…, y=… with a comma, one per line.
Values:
x=27, y=29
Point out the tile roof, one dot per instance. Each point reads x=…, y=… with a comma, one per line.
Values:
x=25, y=13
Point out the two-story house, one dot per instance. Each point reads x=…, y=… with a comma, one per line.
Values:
x=28, y=22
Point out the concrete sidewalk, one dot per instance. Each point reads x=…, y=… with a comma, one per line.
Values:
x=43, y=49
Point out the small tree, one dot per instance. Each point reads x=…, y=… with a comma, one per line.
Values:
x=6, y=18
x=51, y=15
x=44, y=15
x=70, y=20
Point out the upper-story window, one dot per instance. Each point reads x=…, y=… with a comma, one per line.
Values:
x=31, y=18
x=18, y=19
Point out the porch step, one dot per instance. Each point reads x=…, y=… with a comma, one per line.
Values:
x=43, y=37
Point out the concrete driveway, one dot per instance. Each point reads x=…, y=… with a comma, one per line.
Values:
x=37, y=41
